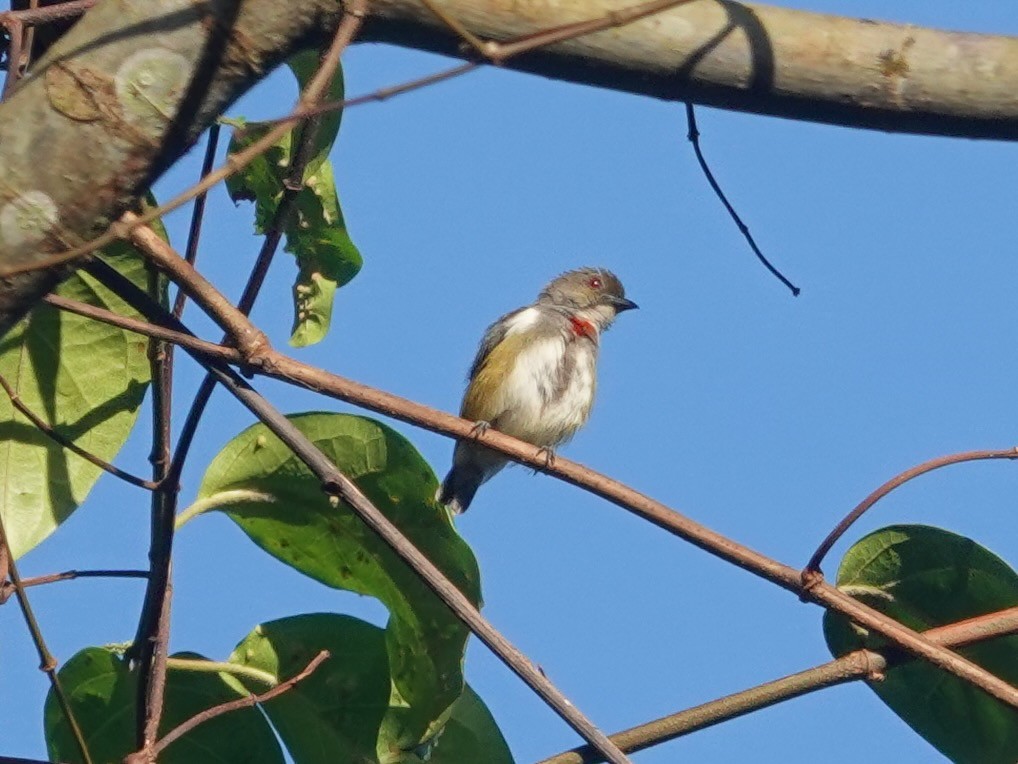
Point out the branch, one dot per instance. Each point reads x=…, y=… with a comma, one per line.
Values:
x=57, y=437
x=47, y=663
x=749, y=57
x=279, y=366
x=860, y=664
x=7, y=588
x=813, y=566
x=233, y=705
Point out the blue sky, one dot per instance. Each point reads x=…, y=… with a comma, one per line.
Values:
x=763, y=416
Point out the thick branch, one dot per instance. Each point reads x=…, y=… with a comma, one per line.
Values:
x=749, y=57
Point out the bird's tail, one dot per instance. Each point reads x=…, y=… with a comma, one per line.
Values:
x=459, y=487
x=471, y=466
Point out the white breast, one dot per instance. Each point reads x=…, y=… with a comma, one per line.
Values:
x=547, y=395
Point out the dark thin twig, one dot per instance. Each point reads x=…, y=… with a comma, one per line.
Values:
x=151, y=642
x=235, y=705
x=813, y=566
x=859, y=664
x=198, y=214
x=47, y=663
x=335, y=483
x=694, y=138
x=57, y=437
x=7, y=588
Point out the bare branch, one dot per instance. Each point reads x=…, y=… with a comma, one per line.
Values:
x=860, y=664
x=813, y=566
x=7, y=588
x=749, y=57
x=233, y=705
x=47, y=663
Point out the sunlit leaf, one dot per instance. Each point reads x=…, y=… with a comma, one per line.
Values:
x=334, y=714
x=87, y=380
x=926, y=577
x=102, y=690
x=316, y=233
x=296, y=523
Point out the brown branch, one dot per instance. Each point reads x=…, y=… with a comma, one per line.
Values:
x=859, y=664
x=813, y=566
x=234, y=705
x=279, y=366
x=7, y=588
x=57, y=437
x=47, y=663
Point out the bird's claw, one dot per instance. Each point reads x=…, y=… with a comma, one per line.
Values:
x=549, y=455
x=479, y=429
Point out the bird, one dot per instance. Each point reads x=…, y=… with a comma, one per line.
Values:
x=534, y=375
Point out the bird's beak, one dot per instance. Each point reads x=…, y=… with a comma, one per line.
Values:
x=621, y=303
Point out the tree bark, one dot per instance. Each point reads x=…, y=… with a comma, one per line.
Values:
x=130, y=87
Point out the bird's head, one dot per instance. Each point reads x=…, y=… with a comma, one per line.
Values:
x=593, y=294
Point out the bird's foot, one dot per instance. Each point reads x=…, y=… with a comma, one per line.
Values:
x=479, y=428
x=549, y=455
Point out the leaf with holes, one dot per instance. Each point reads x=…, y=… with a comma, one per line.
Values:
x=926, y=577
x=87, y=380
x=102, y=689
x=276, y=500
x=316, y=232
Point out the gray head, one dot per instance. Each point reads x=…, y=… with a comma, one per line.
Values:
x=588, y=290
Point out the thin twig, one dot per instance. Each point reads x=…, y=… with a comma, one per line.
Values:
x=47, y=663
x=813, y=566
x=57, y=437
x=335, y=483
x=859, y=664
x=281, y=367
x=198, y=213
x=694, y=138
x=151, y=643
x=236, y=705
x=384, y=94
x=7, y=588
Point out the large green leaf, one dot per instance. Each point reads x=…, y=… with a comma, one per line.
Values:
x=926, y=577
x=333, y=715
x=87, y=379
x=316, y=233
x=296, y=523
x=102, y=690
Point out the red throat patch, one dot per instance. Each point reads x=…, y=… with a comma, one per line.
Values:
x=583, y=328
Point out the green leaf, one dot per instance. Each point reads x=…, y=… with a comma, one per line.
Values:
x=85, y=378
x=316, y=233
x=926, y=577
x=470, y=735
x=334, y=714
x=102, y=688
x=296, y=523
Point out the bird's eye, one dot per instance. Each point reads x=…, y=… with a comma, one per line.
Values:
x=595, y=282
